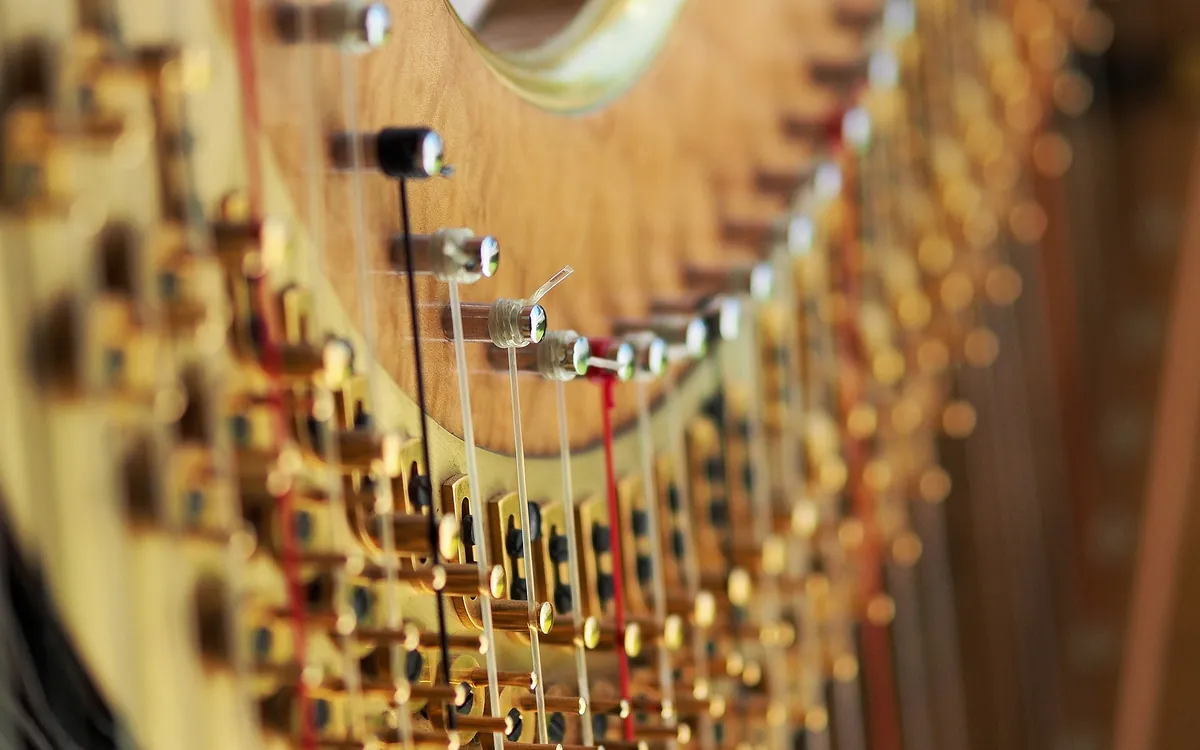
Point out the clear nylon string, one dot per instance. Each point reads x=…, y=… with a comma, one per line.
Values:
x=539, y=690
x=551, y=282
x=769, y=604
x=385, y=503
x=650, y=495
x=678, y=449
x=791, y=461
x=328, y=477
x=481, y=536
x=568, y=499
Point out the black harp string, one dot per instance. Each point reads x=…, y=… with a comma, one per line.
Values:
x=419, y=366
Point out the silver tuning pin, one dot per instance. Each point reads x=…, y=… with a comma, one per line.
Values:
x=782, y=184
x=841, y=74
x=685, y=336
x=449, y=254
x=649, y=354
x=560, y=355
x=612, y=358
x=400, y=153
x=354, y=26
x=794, y=234
x=751, y=279
x=506, y=323
x=722, y=314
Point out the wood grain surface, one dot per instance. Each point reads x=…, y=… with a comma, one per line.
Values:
x=625, y=195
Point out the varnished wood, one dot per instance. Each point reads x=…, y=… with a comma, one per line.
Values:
x=623, y=195
x=627, y=195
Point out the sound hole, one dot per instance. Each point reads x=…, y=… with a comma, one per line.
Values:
x=567, y=55
x=515, y=25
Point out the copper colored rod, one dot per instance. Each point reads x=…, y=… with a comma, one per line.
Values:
x=479, y=676
x=1170, y=487
x=878, y=677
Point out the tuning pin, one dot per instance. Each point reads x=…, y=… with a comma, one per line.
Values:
x=410, y=637
x=509, y=745
x=794, y=234
x=859, y=16
x=682, y=706
x=669, y=632
x=412, y=153
x=417, y=740
x=354, y=26
x=639, y=745
x=560, y=355
x=721, y=314
x=477, y=676
x=841, y=74
x=681, y=733
x=753, y=233
x=700, y=612
x=736, y=586
x=605, y=638
x=479, y=724
x=410, y=534
x=827, y=181
x=406, y=691
x=470, y=643
x=564, y=632
x=612, y=358
x=686, y=337
x=856, y=127
x=783, y=184
x=365, y=450
x=454, y=579
x=884, y=69
x=514, y=616
x=752, y=279
x=649, y=354
x=448, y=254
x=506, y=323
x=554, y=703
x=618, y=707
x=816, y=126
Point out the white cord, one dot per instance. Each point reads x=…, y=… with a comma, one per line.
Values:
x=568, y=498
x=480, y=520
x=539, y=689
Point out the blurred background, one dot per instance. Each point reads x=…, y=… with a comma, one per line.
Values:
x=1112, y=270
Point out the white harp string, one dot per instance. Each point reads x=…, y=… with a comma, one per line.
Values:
x=329, y=477
x=479, y=518
x=385, y=502
x=568, y=501
x=539, y=689
x=653, y=522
